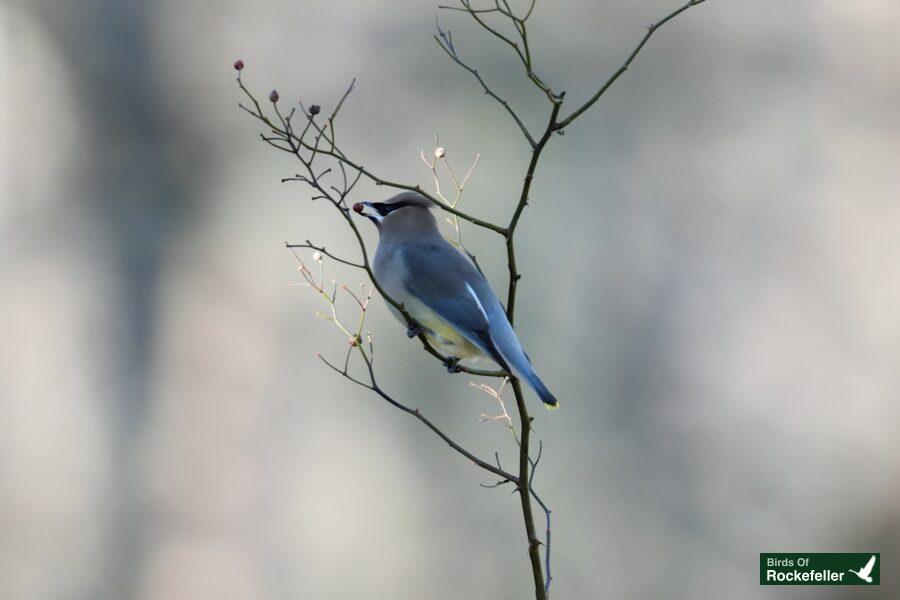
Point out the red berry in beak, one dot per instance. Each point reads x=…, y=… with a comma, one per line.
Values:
x=358, y=207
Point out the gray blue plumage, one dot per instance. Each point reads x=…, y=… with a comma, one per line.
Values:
x=442, y=290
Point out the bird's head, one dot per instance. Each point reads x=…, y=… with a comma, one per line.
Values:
x=407, y=204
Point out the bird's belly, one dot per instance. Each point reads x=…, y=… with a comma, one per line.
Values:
x=441, y=335
x=449, y=342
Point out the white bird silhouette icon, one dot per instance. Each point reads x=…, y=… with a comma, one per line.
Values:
x=865, y=572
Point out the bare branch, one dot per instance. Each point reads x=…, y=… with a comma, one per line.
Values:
x=322, y=249
x=443, y=40
x=354, y=337
x=650, y=31
x=415, y=412
x=524, y=488
x=497, y=394
x=440, y=154
x=514, y=275
x=468, y=10
x=547, y=511
x=297, y=144
x=316, y=142
x=336, y=110
x=521, y=47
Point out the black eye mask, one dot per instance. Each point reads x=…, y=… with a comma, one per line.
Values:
x=384, y=209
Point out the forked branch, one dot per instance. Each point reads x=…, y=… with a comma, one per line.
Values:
x=314, y=140
x=360, y=342
x=612, y=78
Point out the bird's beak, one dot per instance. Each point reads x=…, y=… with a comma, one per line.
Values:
x=365, y=209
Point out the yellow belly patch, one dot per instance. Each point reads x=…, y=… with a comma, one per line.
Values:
x=449, y=341
x=441, y=335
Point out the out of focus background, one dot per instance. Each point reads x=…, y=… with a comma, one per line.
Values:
x=712, y=289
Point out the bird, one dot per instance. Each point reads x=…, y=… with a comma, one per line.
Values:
x=866, y=572
x=442, y=290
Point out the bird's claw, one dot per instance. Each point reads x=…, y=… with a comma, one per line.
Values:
x=452, y=364
x=414, y=330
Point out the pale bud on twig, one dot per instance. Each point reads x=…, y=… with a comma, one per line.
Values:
x=317, y=256
x=439, y=152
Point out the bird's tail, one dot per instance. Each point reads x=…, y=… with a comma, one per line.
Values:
x=516, y=362
x=540, y=389
x=503, y=346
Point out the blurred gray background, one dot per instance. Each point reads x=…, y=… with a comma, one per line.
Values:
x=712, y=289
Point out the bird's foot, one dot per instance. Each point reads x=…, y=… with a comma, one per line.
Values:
x=452, y=364
x=414, y=330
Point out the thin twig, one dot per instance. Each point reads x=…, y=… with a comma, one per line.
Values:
x=443, y=40
x=282, y=136
x=547, y=511
x=440, y=154
x=650, y=31
x=415, y=412
x=322, y=249
x=296, y=146
x=514, y=274
x=521, y=48
x=354, y=338
x=504, y=416
x=302, y=144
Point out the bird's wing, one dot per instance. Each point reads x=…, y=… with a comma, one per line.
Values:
x=868, y=568
x=443, y=279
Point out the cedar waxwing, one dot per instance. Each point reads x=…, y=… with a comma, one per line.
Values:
x=448, y=297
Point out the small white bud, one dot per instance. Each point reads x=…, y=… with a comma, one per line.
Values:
x=439, y=152
x=317, y=256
